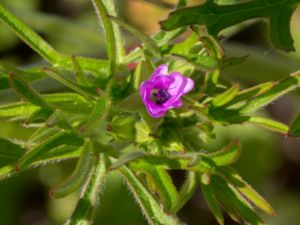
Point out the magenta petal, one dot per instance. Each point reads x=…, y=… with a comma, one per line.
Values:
x=155, y=111
x=162, y=82
x=160, y=70
x=178, y=103
x=144, y=89
x=177, y=87
x=189, y=85
x=168, y=90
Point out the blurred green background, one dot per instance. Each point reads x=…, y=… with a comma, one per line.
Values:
x=270, y=162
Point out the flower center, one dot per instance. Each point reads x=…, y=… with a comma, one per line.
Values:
x=159, y=96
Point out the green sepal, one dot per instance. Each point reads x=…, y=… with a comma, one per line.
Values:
x=80, y=174
x=122, y=127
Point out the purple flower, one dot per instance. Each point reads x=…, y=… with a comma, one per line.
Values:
x=163, y=92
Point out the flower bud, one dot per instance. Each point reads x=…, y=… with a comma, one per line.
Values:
x=122, y=128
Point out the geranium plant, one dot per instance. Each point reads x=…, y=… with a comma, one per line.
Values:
x=149, y=111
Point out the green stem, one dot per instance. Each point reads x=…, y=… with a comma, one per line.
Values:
x=109, y=31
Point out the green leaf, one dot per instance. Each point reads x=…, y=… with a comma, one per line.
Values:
x=232, y=117
x=55, y=118
x=69, y=102
x=245, y=189
x=226, y=155
x=9, y=150
x=30, y=37
x=69, y=83
x=279, y=24
x=164, y=186
x=251, y=92
x=215, y=51
x=186, y=191
x=126, y=158
x=233, y=61
x=211, y=200
x=201, y=62
x=39, y=115
x=190, y=162
x=113, y=10
x=149, y=43
x=218, y=17
x=150, y=207
x=41, y=134
x=109, y=32
x=80, y=173
x=99, y=67
x=58, y=27
x=161, y=38
x=28, y=75
x=40, y=149
x=55, y=155
x=58, y=118
x=66, y=97
x=233, y=202
x=17, y=109
x=295, y=127
x=26, y=91
x=269, y=124
x=80, y=77
x=225, y=97
x=7, y=171
x=99, y=113
x=83, y=213
x=212, y=46
x=211, y=81
x=281, y=88
x=182, y=48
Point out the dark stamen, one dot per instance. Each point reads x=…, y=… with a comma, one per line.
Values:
x=159, y=96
